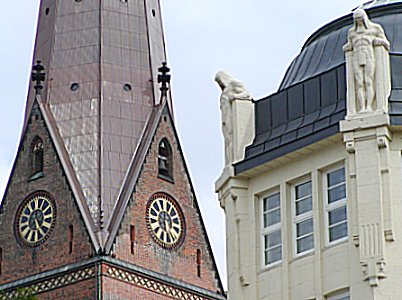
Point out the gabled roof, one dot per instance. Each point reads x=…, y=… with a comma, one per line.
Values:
x=134, y=172
x=66, y=165
x=68, y=169
x=132, y=175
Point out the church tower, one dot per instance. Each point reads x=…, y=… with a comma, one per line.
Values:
x=99, y=204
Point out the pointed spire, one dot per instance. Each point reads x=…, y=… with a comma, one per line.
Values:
x=102, y=85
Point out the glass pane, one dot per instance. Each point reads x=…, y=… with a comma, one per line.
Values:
x=271, y=218
x=303, y=190
x=304, y=227
x=303, y=206
x=337, y=232
x=271, y=202
x=305, y=244
x=337, y=215
x=337, y=193
x=273, y=255
x=336, y=177
x=273, y=239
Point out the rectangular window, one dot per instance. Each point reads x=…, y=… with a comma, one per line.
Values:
x=70, y=238
x=198, y=262
x=342, y=296
x=335, y=205
x=132, y=239
x=271, y=229
x=303, y=226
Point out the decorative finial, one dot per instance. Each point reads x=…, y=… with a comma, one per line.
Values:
x=164, y=78
x=38, y=75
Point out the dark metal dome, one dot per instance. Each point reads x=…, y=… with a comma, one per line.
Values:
x=323, y=50
x=312, y=97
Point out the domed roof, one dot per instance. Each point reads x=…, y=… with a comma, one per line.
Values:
x=376, y=3
x=311, y=100
x=323, y=49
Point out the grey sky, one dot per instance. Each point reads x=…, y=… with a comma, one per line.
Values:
x=254, y=41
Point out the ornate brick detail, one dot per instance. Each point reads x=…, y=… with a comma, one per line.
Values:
x=151, y=284
x=50, y=284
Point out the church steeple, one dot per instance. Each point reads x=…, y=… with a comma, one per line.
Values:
x=101, y=59
x=99, y=195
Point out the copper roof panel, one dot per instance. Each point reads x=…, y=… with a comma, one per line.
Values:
x=100, y=46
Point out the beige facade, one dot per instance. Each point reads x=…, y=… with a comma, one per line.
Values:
x=322, y=221
x=329, y=268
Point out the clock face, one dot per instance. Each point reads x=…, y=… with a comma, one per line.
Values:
x=36, y=218
x=165, y=220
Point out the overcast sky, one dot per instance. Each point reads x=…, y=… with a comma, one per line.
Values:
x=252, y=40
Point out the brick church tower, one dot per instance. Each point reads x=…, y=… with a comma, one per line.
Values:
x=99, y=204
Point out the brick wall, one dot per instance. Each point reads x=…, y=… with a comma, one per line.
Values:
x=83, y=290
x=117, y=290
x=180, y=263
x=18, y=260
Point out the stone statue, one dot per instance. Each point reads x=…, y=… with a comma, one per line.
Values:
x=232, y=89
x=363, y=38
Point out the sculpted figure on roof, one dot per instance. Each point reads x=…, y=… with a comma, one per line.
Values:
x=363, y=62
x=232, y=89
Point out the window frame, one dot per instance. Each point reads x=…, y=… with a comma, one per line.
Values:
x=270, y=229
x=339, y=296
x=302, y=217
x=333, y=206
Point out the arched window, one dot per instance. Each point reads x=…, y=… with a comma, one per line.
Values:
x=37, y=156
x=165, y=161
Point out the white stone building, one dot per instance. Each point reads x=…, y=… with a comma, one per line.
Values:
x=312, y=184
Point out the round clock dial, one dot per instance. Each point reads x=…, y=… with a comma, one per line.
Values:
x=35, y=218
x=165, y=220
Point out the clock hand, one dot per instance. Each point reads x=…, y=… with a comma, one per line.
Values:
x=37, y=224
x=167, y=226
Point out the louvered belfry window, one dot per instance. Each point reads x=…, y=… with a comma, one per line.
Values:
x=165, y=161
x=37, y=156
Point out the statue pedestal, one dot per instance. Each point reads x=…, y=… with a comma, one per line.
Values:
x=364, y=121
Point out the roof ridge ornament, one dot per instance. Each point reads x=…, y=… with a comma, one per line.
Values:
x=164, y=79
x=38, y=75
x=367, y=67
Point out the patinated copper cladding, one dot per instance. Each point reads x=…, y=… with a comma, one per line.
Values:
x=92, y=50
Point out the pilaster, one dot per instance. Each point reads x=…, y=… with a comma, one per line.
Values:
x=367, y=141
x=233, y=196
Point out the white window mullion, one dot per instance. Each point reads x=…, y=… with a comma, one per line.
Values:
x=335, y=205
x=271, y=233
x=303, y=223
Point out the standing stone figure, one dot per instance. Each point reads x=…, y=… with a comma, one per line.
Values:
x=232, y=89
x=363, y=37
